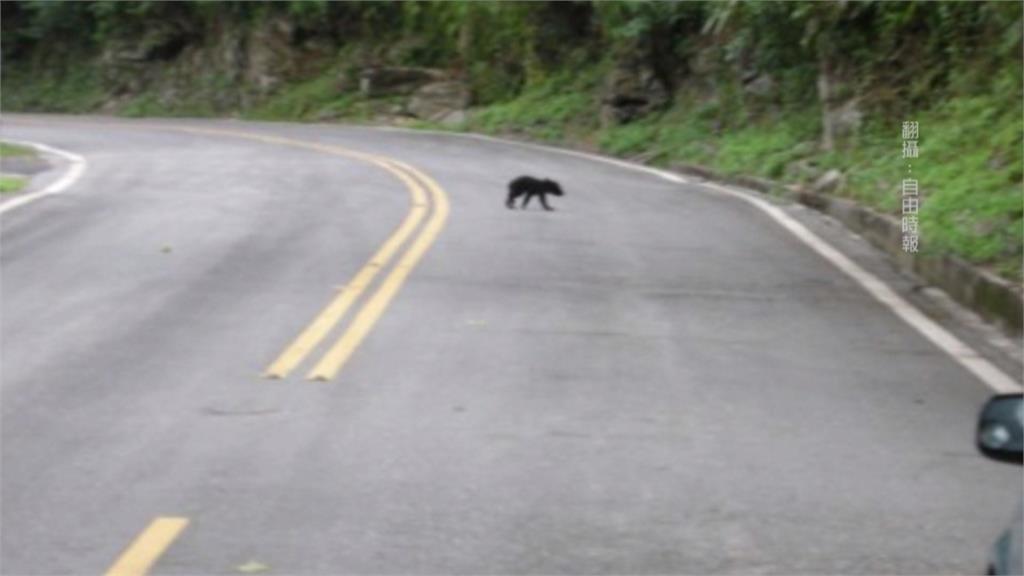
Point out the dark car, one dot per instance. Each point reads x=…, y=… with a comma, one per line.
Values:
x=1001, y=437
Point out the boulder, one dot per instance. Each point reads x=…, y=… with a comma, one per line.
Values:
x=841, y=113
x=760, y=85
x=631, y=92
x=440, y=101
x=705, y=61
x=828, y=182
x=268, y=55
x=395, y=80
x=454, y=118
x=160, y=42
x=846, y=119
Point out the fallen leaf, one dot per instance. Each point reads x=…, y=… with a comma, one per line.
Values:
x=252, y=567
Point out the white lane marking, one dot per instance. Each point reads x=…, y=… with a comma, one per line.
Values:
x=995, y=378
x=73, y=173
x=969, y=358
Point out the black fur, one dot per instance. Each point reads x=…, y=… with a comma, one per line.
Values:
x=530, y=187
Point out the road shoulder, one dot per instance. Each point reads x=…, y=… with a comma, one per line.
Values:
x=50, y=171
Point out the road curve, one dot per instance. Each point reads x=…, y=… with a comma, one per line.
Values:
x=651, y=379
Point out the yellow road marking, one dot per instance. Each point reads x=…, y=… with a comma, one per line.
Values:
x=332, y=314
x=367, y=317
x=338, y=355
x=140, y=556
x=324, y=322
x=329, y=149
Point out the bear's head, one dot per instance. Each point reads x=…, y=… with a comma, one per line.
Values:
x=553, y=187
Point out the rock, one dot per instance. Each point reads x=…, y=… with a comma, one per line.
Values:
x=407, y=49
x=760, y=85
x=841, y=113
x=998, y=160
x=828, y=182
x=266, y=58
x=846, y=119
x=326, y=115
x=439, y=100
x=159, y=42
x=282, y=28
x=398, y=109
x=631, y=92
x=794, y=189
x=799, y=171
x=230, y=53
x=454, y=118
x=705, y=61
x=396, y=81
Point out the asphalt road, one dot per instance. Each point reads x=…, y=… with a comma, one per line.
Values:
x=652, y=379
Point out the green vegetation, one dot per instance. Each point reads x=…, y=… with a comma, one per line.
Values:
x=11, y=184
x=8, y=150
x=549, y=110
x=734, y=86
x=315, y=99
x=761, y=148
x=68, y=88
x=970, y=172
x=149, y=105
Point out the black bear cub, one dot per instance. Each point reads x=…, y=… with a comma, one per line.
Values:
x=530, y=187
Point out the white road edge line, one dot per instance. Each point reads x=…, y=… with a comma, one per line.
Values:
x=966, y=356
x=995, y=378
x=73, y=173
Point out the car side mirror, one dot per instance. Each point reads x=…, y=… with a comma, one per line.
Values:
x=1001, y=428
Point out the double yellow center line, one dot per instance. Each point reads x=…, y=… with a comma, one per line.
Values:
x=336, y=357
x=433, y=200
x=426, y=196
